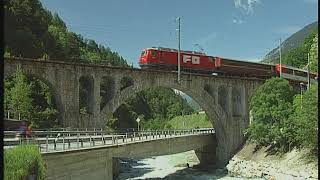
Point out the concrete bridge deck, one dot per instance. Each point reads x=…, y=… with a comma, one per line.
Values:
x=94, y=156
x=100, y=162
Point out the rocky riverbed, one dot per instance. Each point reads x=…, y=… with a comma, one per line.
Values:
x=246, y=164
x=170, y=167
x=297, y=164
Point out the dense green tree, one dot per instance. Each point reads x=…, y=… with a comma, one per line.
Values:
x=305, y=118
x=271, y=106
x=314, y=55
x=18, y=100
x=44, y=112
x=31, y=98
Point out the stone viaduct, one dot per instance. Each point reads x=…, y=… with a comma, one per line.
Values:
x=224, y=99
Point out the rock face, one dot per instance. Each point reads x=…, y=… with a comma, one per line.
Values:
x=293, y=165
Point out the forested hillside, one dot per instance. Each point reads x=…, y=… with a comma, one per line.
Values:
x=295, y=41
x=31, y=31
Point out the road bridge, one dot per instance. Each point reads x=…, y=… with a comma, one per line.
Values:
x=224, y=99
x=96, y=157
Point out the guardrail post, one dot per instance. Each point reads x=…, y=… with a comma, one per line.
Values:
x=78, y=136
x=81, y=142
x=102, y=139
x=134, y=136
x=112, y=138
x=123, y=138
x=126, y=137
x=69, y=145
x=63, y=146
x=117, y=140
x=39, y=146
x=47, y=142
x=54, y=145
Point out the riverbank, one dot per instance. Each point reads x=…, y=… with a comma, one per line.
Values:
x=246, y=164
x=297, y=164
x=171, y=167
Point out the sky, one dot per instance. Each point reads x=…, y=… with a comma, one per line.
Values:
x=237, y=29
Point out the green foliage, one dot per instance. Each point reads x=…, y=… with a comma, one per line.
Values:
x=298, y=57
x=31, y=98
x=279, y=122
x=20, y=160
x=157, y=105
x=271, y=107
x=314, y=55
x=190, y=121
x=305, y=118
x=294, y=41
x=111, y=122
x=18, y=96
x=271, y=102
x=32, y=31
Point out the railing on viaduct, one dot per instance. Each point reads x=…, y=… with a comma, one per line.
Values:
x=64, y=140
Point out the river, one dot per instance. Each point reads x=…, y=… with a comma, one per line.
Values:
x=170, y=167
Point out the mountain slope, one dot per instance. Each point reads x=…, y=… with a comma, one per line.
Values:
x=294, y=41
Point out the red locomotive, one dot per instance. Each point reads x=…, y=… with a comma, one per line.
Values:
x=197, y=62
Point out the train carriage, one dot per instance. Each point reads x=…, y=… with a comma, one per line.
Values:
x=197, y=62
x=165, y=58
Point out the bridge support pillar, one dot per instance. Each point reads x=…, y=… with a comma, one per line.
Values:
x=115, y=167
x=207, y=155
x=96, y=103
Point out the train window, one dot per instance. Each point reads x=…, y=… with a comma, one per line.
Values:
x=142, y=53
x=153, y=53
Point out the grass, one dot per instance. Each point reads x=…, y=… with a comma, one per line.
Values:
x=20, y=160
x=190, y=121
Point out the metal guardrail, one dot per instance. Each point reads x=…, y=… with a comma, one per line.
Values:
x=49, y=141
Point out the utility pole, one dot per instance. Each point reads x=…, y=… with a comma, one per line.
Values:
x=178, y=49
x=280, y=58
x=301, y=86
x=308, y=71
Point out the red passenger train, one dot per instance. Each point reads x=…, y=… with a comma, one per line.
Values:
x=197, y=62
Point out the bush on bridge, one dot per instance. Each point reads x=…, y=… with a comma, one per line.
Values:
x=20, y=161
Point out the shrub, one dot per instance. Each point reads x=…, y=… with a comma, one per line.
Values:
x=20, y=160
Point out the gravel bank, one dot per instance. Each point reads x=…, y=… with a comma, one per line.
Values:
x=292, y=165
x=171, y=167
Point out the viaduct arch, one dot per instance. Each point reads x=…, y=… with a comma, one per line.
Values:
x=224, y=99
